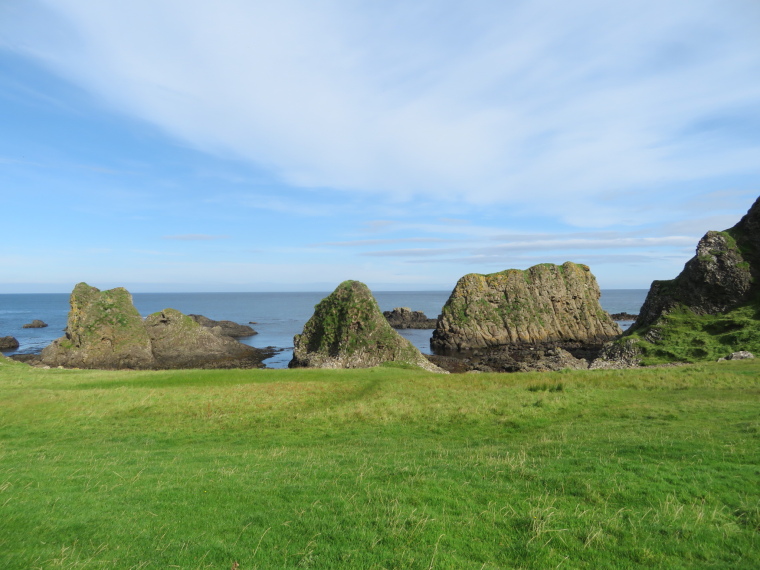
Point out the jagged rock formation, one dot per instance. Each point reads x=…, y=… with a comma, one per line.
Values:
x=720, y=277
x=8, y=343
x=104, y=330
x=405, y=318
x=35, y=324
x=348, y=330
x=711, y=309
x=227, y=328
x=545, y=305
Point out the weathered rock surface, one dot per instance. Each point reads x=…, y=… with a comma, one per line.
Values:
x=720, y=277
x=104, y=330
x=8, y=343
x=35, y=324
x=227, y=328
x=348, y=330
x=623, y=317
x=405, y=318
x=556, y=306
x=739, y=355
x=178, y=341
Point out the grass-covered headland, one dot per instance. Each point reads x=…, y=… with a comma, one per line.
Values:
x=380, y=468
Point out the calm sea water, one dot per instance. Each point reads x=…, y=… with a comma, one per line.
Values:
x=277, y=316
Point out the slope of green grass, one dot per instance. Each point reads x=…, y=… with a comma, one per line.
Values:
x=380, y=468
x=686, y=337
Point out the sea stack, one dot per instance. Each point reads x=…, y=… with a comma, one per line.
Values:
x=105, y=331
x=545, y=305
x=348, y=330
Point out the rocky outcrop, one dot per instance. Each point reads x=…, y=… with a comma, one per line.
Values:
x=8, y=343
x=348, y=330
x=405, y=318
x=227, y=328
x=710, y=309
x=717, y=279
x=104, y=330
x=35, y=324
x=555, y=306
x=623, y=317
x=178, y=341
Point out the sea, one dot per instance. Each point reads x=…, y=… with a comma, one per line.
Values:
x=276, y=317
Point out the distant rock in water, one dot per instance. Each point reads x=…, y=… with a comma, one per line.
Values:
x=8, y=343
x=405, y=318
x=348, y=330
x=545, y=305
x=104, y=330
x=227, y=328
x=623, y=317
x=35, y=324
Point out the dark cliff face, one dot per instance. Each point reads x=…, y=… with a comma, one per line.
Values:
x=722, y=276
x=545, y=304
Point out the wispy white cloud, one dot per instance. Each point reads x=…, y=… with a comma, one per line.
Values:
x=545, y=106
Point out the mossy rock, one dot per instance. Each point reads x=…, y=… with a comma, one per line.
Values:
x=712, y=308
x=104, y=330
x=348, y=330
x=546, y=303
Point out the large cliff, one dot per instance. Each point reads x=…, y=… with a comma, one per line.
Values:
x=105, y=330
x=348, y=330
x=545, y=304
x=711, y=309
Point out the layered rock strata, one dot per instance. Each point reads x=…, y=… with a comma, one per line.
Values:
x=348, y=330
x=405, y=318
x=104, y=330
x=544, y=306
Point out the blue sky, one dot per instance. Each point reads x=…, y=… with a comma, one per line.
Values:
x=235, y=145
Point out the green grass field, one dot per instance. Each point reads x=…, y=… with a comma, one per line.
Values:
x=380, y=468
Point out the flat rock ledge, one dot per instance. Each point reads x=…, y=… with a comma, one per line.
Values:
x=227, y=328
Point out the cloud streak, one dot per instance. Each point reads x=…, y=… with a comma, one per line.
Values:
x=486, y=103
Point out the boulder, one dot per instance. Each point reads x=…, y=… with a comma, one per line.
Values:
x=8, y=343
x=104, y=330
x=554, y=306
x=348, y=330
x=405, y=318
x=227, y=328
x=35, y=324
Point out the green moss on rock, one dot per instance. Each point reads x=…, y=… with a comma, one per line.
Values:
x=543, y=304
x=348, y=330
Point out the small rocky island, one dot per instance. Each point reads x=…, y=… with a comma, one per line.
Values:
x=105, y=331
x=405, y=318
x=348, y=330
